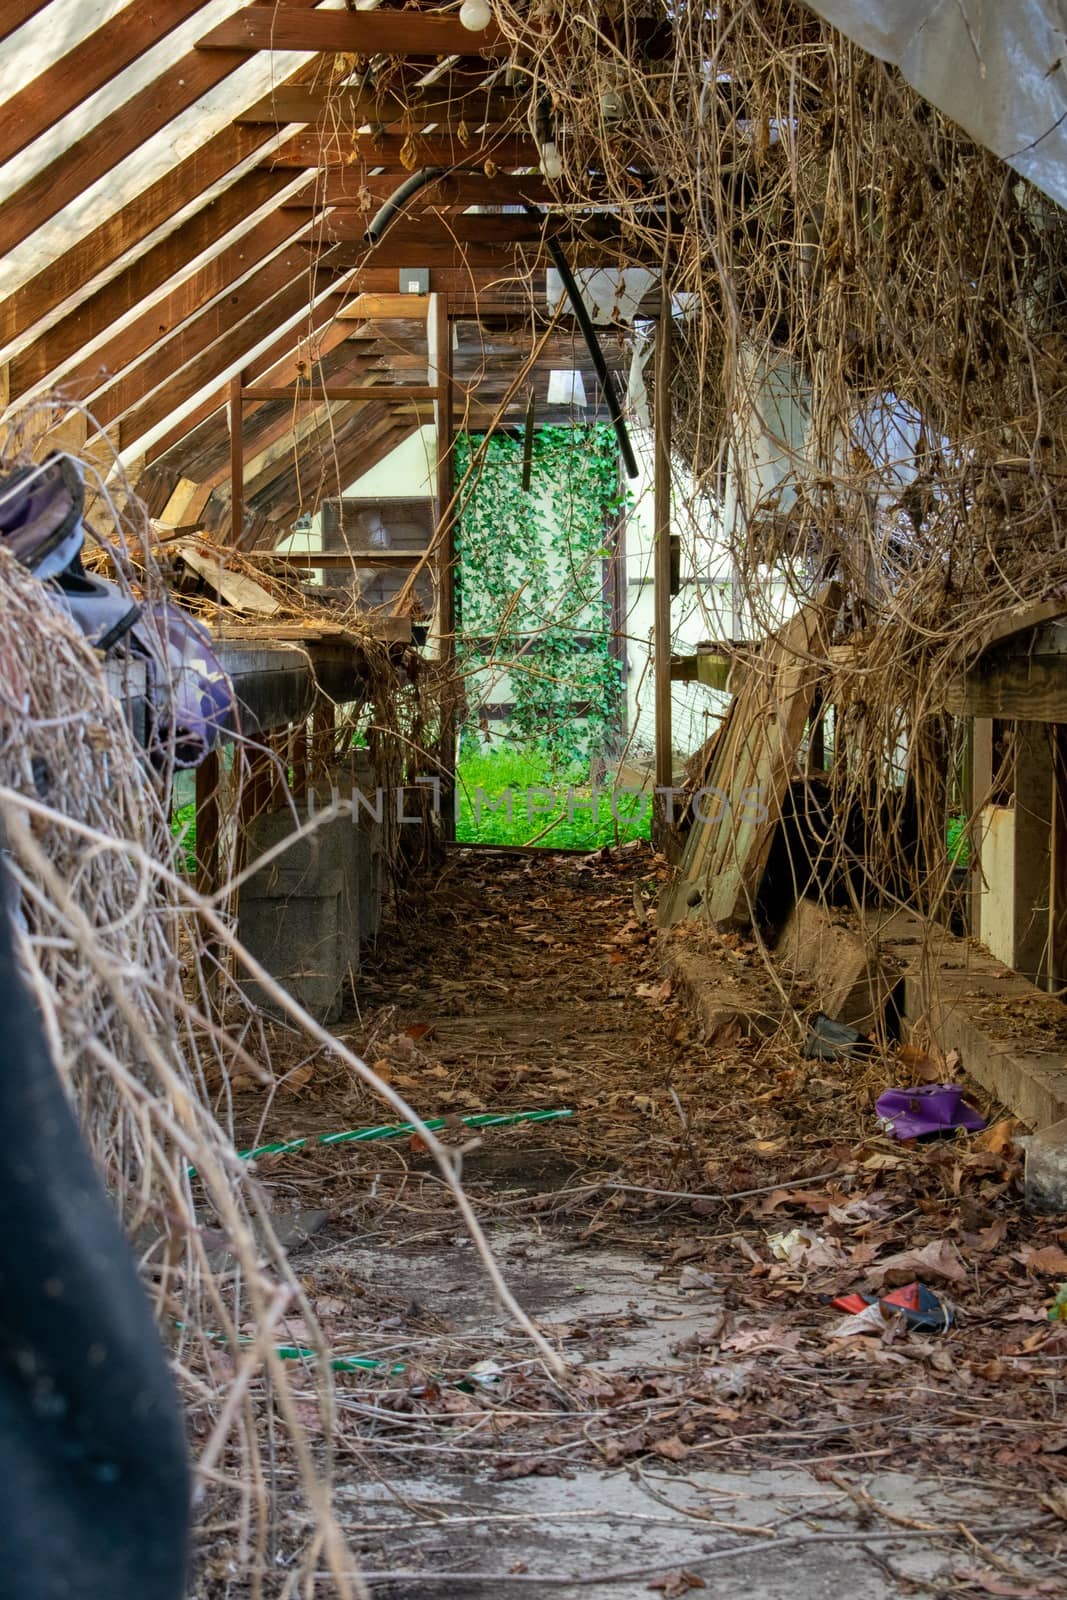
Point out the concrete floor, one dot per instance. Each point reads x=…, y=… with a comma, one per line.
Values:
x=465, y=1532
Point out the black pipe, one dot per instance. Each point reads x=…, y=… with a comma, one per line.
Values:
x=398, y=199
x=592, y=343
x=418, y=180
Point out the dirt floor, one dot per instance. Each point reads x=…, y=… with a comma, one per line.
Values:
x=679, y=1240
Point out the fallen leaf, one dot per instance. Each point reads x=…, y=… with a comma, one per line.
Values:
x=671, y=1449
x=938, y=1259
x=673, y=1583
x=921, y=1067
x=1050, y=1260
x=749, y=1339
x=999, y=1136
x=995, y=1583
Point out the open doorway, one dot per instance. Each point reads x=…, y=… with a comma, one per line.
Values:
x=540, y=606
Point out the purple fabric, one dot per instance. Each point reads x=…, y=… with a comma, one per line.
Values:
x=193, y=698
x=931, y=1108
x=40, y=515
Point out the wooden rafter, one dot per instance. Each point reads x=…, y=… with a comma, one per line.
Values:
x=14, y=13
x=47, y=354
x=404, y=152
x=352, y=107
x=94, y=61
x=119, y=135
x=68, y=276
x=362, y=33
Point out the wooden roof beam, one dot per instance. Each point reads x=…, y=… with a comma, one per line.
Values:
x=15, y=12
x=352, y=106
x=93, y=62
x=405, y=152
x=362, y=33
x=204, y=351
x=121, y=133
x=77, y=269
x=162, y=318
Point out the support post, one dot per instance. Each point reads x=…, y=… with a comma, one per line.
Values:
x=981, y=793
x=441, y=377
x=1033, y=829
x=661, y=558
x=207, y=824
x=1057, y=910
x=237, y=464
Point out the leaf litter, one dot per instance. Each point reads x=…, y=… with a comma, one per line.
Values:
x=741, y=1173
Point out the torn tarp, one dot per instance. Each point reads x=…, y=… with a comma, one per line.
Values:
x=998, y=69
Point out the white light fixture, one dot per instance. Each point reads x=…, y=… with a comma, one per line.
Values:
x=566, y=389
x=475, y=15
x=551, y=162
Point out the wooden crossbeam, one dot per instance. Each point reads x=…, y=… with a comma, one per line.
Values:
x=161, y=319
x=361, y=33
x=351, y=106
x=94, y=61
x=460, y=227
x=117, y=136
x=340, y=560
x=366, y=391
x=346, y=193
x=405, y=152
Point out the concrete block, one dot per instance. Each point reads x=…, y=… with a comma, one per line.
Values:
x=1011, y=1036
x=298, y=915
x=830, y=952
x=729, y=999
x=1046, y=1168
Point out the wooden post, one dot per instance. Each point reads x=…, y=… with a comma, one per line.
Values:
x=1057, y=908
x=441, y=376
x=980, y=783
x=207, y=824
x=661, y=559
x=1033, y=829
x=237, y=464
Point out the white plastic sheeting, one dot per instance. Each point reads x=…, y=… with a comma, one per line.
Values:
x=996, y=67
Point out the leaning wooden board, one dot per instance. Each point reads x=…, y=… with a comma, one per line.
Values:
x=726, y=855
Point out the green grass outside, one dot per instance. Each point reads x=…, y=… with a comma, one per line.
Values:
x=483, y=818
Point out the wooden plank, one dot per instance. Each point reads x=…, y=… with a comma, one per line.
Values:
x=1018, y=619
x=403, y=153
x=235, y=324
x=100, y=150
x=1021, y=688
x=751, y=767
x=344, y=560
x=237, y=462
x=64, y=277
x=661, y=557
x=161, y=319
x=432, y=226
x=364, y=391
x=94, y=61
x=342, y=190
x=238, y=590
x=311, y=102
x=14, y=13
x=439, y=327
x=361, y=33
x=386, y=308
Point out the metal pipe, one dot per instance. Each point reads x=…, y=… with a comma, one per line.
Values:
x=418, y=180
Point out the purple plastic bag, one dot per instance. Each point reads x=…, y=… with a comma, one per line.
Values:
x=40, y=514
x=190, y=693
x=930, y=1108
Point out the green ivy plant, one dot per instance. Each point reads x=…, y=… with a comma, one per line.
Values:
x=530, y=587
